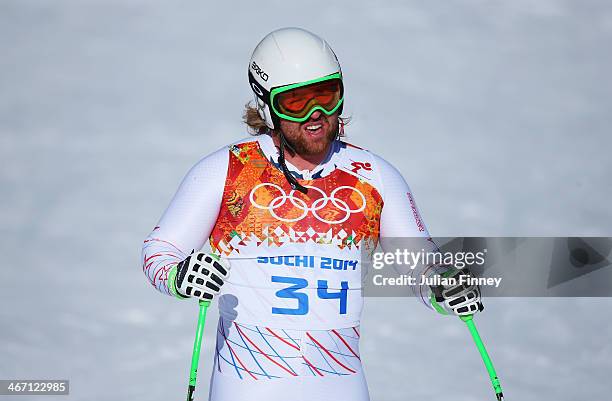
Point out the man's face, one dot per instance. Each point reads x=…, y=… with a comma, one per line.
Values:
x=313, y=136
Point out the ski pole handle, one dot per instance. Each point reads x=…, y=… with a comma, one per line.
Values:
x=197, y=343
x=484, y=355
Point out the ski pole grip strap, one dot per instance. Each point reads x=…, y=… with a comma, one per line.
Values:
x=172, y=283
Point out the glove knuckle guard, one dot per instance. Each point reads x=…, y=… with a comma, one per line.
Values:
x=200, y=275
x=459, y=299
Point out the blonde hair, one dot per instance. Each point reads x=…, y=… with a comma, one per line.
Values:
x=257, y=125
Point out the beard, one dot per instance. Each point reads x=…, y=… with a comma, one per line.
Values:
x=305, y=145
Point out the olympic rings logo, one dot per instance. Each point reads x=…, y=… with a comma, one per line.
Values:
x=301, y=204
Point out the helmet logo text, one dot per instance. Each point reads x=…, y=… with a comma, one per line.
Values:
x=259, y=71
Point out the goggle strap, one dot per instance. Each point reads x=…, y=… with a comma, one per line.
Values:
x=261, y=92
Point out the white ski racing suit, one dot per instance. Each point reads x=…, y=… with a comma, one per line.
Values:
x=291, y=307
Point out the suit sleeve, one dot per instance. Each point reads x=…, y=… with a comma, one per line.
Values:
x=188, y=220
x=402, y=227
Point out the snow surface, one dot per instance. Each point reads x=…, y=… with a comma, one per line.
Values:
x=498, y=113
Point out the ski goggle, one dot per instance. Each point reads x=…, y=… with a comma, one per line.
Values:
x=297, y=102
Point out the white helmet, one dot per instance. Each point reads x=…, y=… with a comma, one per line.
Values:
x=289, y=56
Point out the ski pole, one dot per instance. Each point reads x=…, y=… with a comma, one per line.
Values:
x=484, y=355
x=195, y=356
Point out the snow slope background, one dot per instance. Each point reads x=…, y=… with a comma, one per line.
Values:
x=498, y=113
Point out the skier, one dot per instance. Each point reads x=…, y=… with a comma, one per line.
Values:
x=289, y=210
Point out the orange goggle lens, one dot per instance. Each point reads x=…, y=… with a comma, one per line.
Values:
x=299, y=101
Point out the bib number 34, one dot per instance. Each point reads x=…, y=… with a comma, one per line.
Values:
x=293, y=292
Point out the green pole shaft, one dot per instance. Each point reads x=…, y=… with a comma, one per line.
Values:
x=197, y=343
x=484, y=355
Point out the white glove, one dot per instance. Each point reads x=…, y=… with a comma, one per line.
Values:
x=200, y=275
x=456, y=299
